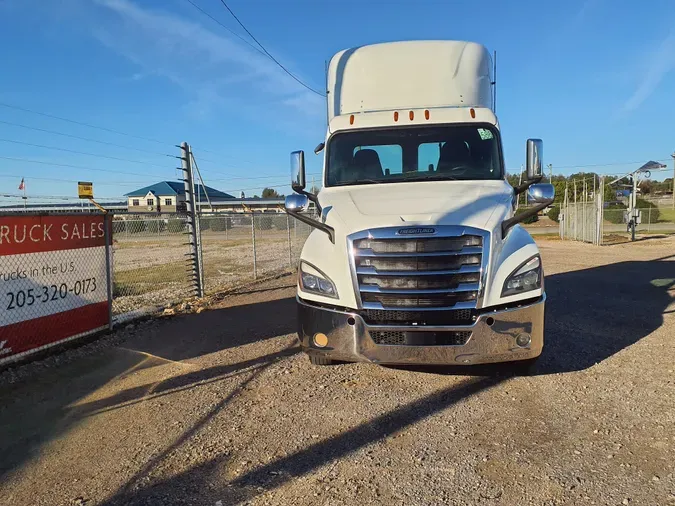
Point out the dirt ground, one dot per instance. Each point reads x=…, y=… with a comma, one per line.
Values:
x=220, y=408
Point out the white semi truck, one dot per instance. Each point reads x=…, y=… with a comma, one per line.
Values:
x=416, y=256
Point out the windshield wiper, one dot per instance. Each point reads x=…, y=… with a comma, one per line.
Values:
x=360, y=181
x=439, y=176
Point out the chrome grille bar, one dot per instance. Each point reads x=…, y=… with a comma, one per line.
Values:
x=462, y=287
x=464, y=269
x=465, y=251
x=439, y=270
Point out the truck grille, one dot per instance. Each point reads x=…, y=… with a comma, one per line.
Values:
x=395, y=317
x=399, y=273
x=411, y=338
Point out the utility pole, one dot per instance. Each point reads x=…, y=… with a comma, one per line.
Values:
x=195, y=261
x=673, y=155
x=550, y=172
x=633, y=203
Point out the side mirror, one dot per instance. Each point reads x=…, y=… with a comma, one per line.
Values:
x=540, y=193
x=296, y=203
x=319, y=148
x=534, y=158
x=298, y=171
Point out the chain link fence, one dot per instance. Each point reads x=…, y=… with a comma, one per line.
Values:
x=589, y=218
x=652, y=220
x=239, y=247
x=150, y=261
x=152, y=255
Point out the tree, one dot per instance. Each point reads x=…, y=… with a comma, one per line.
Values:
x=646, y=186
x=270, y=193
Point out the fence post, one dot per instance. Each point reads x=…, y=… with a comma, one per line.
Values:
x=255, y=264
x=107, y=226
x=227, y=218
x=200, y=251
x=191, y=218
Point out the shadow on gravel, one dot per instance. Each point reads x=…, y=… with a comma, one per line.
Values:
x=194, y=335
x=43, y=408
x=199, y=483
x=591, y=314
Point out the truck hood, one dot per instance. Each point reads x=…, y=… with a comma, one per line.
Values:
x=480, y=204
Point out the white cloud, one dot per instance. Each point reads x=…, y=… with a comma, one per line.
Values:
x=659, y=63
x=214, y=70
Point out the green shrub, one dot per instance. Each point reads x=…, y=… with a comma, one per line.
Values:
x=554, y=213
x=531, y=219
x=175, y=226
x=263, y=222
x=613, y=213
x=650, y=211
x=118, y=227
x=220, y=224
x=135, y=226
x=155, y=226
x=281, y=222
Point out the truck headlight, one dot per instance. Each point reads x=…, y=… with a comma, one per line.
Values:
x=525, y=278
x=312, y=280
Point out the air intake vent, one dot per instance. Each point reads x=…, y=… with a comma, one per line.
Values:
x=401, y=338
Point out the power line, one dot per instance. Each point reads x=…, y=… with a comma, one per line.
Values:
x=603, y=164
x=82, y=153
x=55, y=180
x=85, y=138
x=258, y=187
x=55, y=197
x=225, y=27
x=517, y=171
x=260, y=177
x=14, y=159
x=81, y=123
x=268, y=53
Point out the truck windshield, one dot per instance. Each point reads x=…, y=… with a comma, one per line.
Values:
x=457, y=152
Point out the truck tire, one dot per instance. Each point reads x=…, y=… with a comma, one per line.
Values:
x=525, y=367
x=320, y=360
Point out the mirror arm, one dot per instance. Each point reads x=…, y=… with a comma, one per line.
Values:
x=311, y=197
x=507, y=224
x=523, y=187
x=314, y=223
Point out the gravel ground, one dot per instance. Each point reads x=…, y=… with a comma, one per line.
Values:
x=219, y=408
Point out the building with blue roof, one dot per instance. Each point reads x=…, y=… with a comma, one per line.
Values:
x=169, y=197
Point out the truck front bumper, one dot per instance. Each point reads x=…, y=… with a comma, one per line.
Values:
x=495, y=336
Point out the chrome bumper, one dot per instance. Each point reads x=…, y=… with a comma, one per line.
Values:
x=493, y=337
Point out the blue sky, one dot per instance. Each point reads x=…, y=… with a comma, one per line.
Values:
x=593, y=78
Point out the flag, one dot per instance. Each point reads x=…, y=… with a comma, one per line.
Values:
x=22, y=185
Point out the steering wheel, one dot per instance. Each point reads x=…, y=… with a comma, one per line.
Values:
x=459, y=169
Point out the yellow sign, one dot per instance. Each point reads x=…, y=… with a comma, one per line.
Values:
x=85, y=190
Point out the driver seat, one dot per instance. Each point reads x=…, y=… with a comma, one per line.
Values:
x=454, y=153
x=366, y=164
